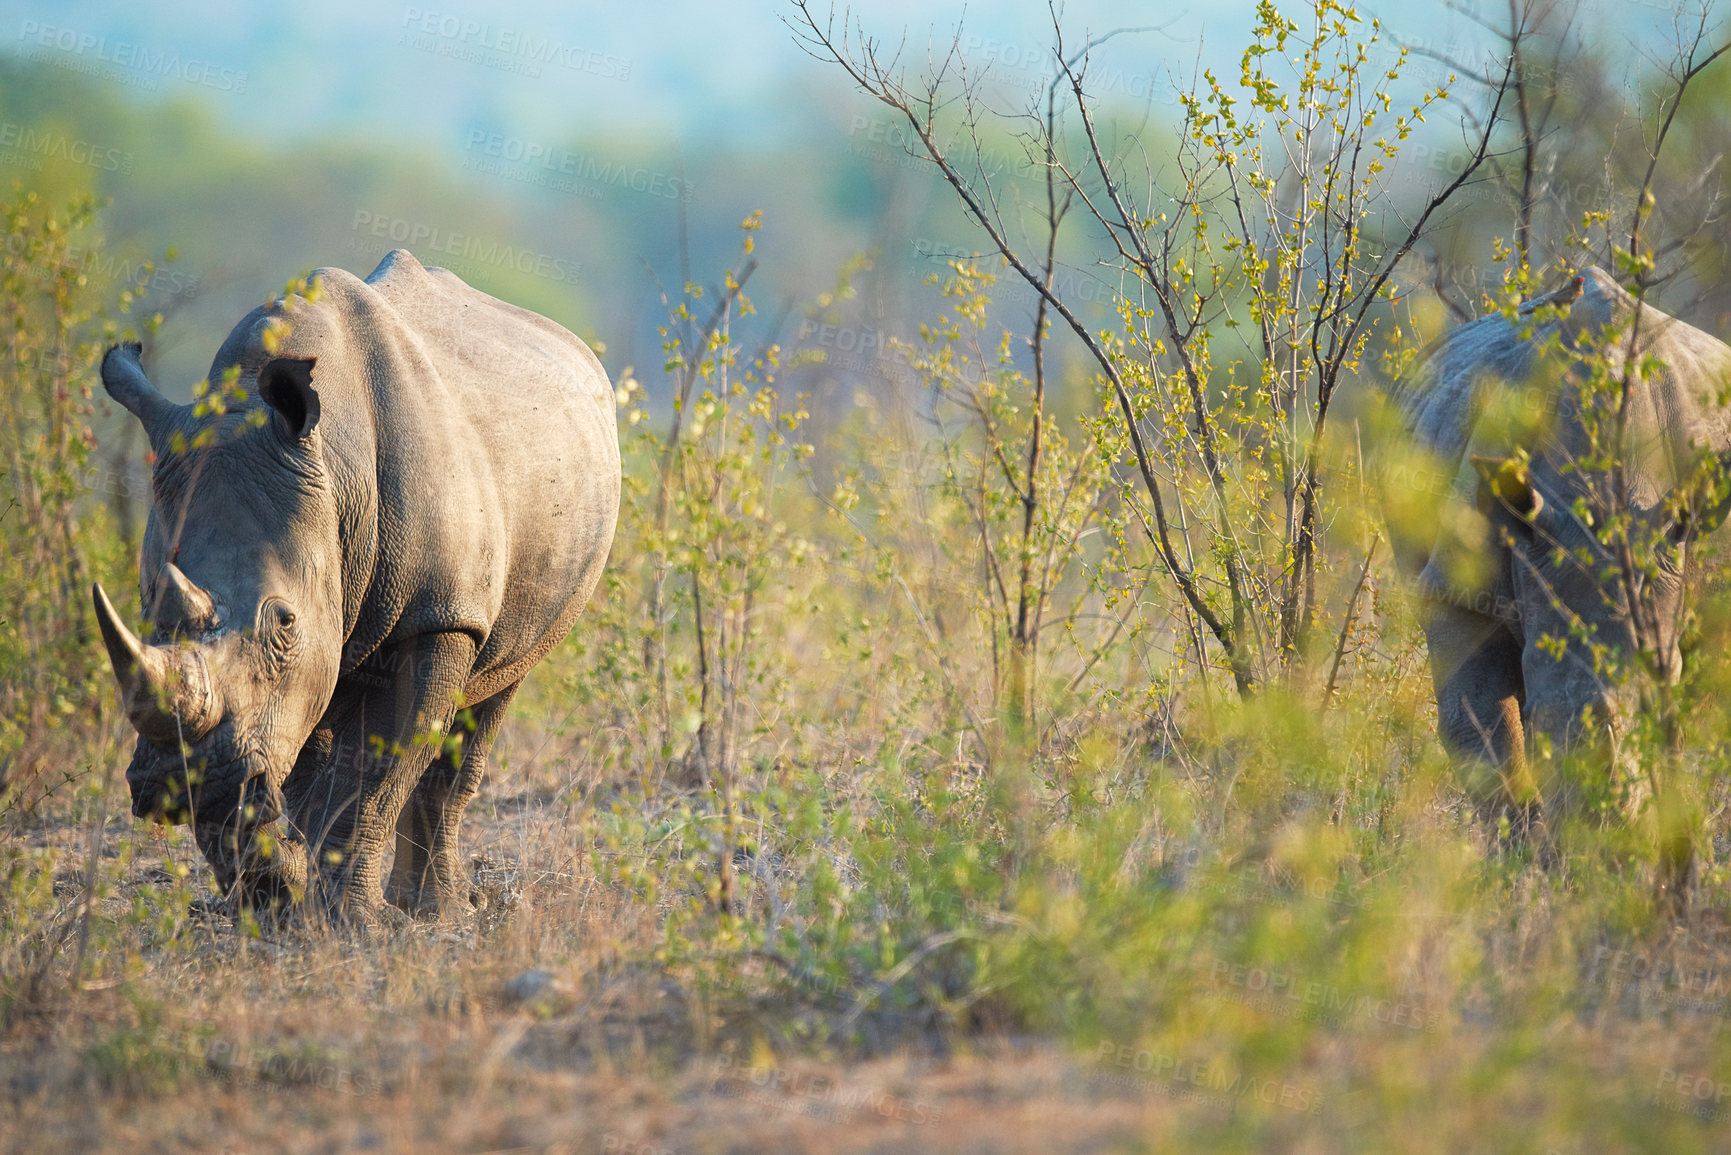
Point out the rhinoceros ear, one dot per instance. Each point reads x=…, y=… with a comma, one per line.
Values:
x=286, y=384
x=1702, y=506
x=1509, y=482
x=123, y=377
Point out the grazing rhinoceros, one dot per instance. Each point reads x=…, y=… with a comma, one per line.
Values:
x=1521, y=589
x=350, y=570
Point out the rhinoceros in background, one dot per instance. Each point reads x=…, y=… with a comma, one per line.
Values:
x=349, y=572
x=1518, y=586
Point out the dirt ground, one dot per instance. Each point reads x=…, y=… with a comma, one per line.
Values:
x=547, y=1026
x=432, y=1042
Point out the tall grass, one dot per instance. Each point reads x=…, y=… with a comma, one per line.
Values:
x=783, y=797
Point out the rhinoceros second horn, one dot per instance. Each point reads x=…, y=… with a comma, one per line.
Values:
x=181, y=604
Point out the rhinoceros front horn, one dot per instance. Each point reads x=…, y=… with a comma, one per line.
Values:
x=166, y=691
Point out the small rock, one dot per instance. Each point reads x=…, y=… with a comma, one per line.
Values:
x=541, y=991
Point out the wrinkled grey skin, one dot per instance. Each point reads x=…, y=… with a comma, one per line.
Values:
x=1497, y=687
x=407, y=512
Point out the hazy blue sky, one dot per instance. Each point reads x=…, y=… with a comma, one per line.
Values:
x=695, y=71
x=654, y=84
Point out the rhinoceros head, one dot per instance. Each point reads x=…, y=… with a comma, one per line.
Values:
x=1592, y=519
x=1580, y=620
x=241, y=579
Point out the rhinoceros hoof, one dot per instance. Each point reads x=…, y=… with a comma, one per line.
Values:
x=211, y=909
x=387, y=919
x=428, y=905
x=223, y=911
x=366, y=920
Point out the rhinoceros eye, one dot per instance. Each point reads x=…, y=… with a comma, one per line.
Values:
x=277, y=626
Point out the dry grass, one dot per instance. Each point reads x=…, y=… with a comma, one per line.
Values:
x=804, y=882
x=190, y=1035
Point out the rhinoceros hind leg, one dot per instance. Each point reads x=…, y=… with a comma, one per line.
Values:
x=427, y=878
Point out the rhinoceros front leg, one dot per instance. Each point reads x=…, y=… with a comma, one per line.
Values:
x=1476, y=668
x=263, y=867
x=427, y=875
x=255, y=867
x=380, y=747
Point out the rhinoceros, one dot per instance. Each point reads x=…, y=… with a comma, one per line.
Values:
x=1528, y=610
x=395, y=500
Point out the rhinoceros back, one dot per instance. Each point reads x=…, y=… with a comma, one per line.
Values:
x=474, y=451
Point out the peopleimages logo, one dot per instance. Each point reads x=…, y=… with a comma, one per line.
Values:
x=1284, y=992
x=46, y=258
x=139, y=57
x=849, y=339
x=1182, y=1078
x=28, y=143
x=458, y=31
x=813, y=1095
x=424, y=239
x=543, y=160
x=241, y=1065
